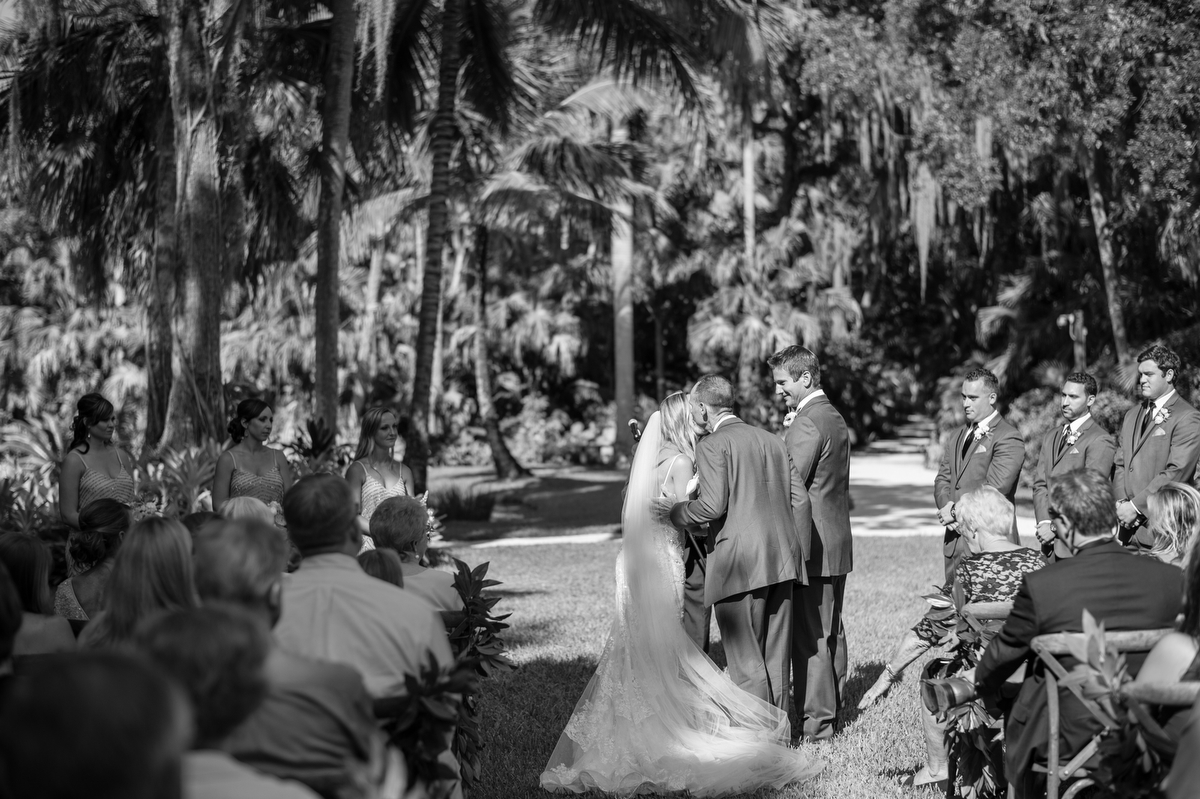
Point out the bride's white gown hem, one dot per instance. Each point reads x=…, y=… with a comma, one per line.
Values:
x=658, y=716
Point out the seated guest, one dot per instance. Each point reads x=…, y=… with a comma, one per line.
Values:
x=194, y=521
x=1173, y=519
x=101, y=725
x=315, y=722
x=1120, y=589
x=1176, y=657
x=383, y=564
x=401, y=524
x=10, y=623
x=247, y=508
x=992, y=573
x=102, y=524
x=28, y=559
x=217, y=655
x=332, y=610
x=153, y=572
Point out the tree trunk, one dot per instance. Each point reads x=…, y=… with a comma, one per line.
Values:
x=197, y=405
x=335, y=136
x=660, y=370
x=1108, y=266
x=749, y=190
x=507, y=467
x=366, y=335
x=442, y=134
x=160, y=311
x=622, y=293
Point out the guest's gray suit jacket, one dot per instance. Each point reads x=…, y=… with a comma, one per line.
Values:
x=819, y=445
x=747, y=485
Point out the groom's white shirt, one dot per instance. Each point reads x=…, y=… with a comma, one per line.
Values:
x=809, y=398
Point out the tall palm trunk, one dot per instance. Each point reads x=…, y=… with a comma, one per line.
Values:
x=196, y=407
x=749, y=189
x=160, y=311
x=442, y=136
x=622, y=287
x=507, y=467
x=1108, y=265
x=335, y=136
x=366, y=334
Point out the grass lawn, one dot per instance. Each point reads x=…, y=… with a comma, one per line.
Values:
x=560, y=597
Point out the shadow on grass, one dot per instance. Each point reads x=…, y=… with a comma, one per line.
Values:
x=857, y=684
x=533, y=633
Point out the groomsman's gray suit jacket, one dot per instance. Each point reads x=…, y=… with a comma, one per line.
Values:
x=1094, y=449
x=995, y=460
x=747, y=485
x=819, y=446
x=1166, y=453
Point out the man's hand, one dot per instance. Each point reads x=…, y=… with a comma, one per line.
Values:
x=946, y=515
x=1044, y=532
x=1127, y=512
x=660, y=510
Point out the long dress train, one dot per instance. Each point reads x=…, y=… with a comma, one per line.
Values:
x=658, y=716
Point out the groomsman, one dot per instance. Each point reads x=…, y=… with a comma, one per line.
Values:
x=987, y=450
x=1160, y=442
x=1079, y=443
x=819, y=446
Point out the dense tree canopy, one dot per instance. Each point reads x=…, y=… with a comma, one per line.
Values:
x=209, y=198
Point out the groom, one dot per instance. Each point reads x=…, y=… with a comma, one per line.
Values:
x=747, y=485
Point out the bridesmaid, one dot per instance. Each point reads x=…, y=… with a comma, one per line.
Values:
x=376, y=474
x=94, y=467
x=250, y=468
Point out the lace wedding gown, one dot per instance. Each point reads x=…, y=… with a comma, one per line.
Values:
x=658, y=716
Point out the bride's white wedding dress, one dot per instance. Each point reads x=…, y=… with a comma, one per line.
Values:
x=658, y=716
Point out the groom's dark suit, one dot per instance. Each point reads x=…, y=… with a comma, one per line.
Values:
x=747, y=484
x=819, y=445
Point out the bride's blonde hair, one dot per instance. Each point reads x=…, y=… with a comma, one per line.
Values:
x=677, y=425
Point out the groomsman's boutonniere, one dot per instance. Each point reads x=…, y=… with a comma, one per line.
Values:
x=1161, y=415
x=1072, y=437
x=787, y=420
x=982, y=432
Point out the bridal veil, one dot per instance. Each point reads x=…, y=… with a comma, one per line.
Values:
x=658, y=716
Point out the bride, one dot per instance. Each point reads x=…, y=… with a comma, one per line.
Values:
x=658, y=716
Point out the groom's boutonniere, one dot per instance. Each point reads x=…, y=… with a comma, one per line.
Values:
x=1161, y=415
x=791, y=417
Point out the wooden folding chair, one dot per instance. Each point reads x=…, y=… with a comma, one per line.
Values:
x=977, y=614
x=1049, y=648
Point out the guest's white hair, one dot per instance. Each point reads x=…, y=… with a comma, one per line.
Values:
x=986, y=510
x=247, y=508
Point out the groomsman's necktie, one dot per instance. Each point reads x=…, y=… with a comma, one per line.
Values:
x=1146, y=414
x=968, y=441
x=1062, y=442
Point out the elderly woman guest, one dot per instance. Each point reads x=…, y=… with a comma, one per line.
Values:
x=250, y=468
x=1174, y=520
x=94, y=550
x=401, y=524
x=94, y=467
x=992, y=573
x=153, y=572
x=28, y=559
x=376, y=474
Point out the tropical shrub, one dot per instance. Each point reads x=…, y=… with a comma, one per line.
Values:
x=873, y=394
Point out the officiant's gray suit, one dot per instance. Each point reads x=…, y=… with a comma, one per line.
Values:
x=747, y=487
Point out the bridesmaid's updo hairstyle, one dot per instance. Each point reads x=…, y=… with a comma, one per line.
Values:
x=247, y=411
x=372, y=420
x=91, y=410
x=101, y=525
